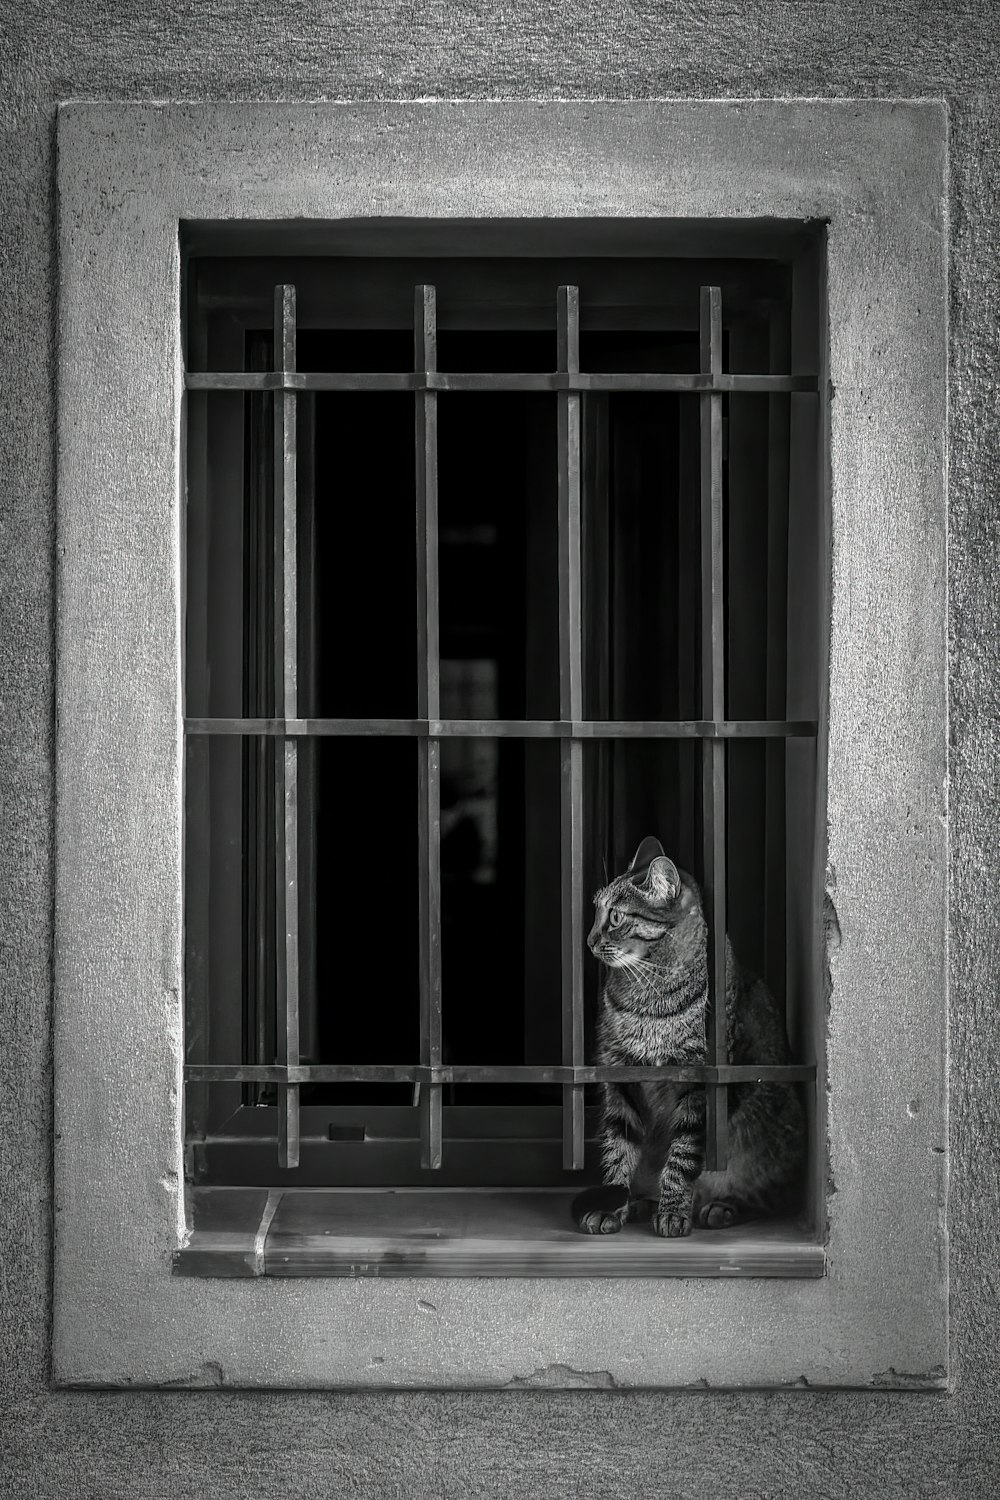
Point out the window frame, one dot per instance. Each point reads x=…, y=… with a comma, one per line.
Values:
x=129, y=175
x=778, y=276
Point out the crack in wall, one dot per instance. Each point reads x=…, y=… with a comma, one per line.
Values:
x=905, y=1380
x=208, y=1373
x=561, y=1377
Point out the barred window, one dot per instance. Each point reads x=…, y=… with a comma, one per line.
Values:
x=505, y=548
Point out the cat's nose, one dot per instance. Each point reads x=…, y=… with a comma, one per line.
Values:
x=594, y=938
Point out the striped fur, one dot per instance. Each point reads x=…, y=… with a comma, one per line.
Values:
x=650, y=933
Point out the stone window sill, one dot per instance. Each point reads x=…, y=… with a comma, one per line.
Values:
x=428, y=1232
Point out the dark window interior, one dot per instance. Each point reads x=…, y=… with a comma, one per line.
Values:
x=500, y=801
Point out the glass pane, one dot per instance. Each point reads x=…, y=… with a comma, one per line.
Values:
x=500, y=891
x=365, y=908
x=642, y=352
x=496, y=351
x=226, y=488
x=365, y=612
x=756, y=500
x=215, y=895
x=755, y=857
x=498, y=554
x=641, y=538
x=229, y=559
x=377, y=350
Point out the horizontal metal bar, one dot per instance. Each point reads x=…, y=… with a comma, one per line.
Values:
x=525, y=729
x=471, y=1073
x=527, y=380
x=658, y=729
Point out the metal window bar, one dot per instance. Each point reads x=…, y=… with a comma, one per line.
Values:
x=286, y=761
x=530, y=380
x=429, y=749
x=713, y=705
x=525, y=729
x=260, y=1017
x=499, y=1073
x=571, y=707
x=779, y=470
x=571, y=729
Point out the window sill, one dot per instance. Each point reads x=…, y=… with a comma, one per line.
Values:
x=426, y=1232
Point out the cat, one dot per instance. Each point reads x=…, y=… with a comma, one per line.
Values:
x=650, y=933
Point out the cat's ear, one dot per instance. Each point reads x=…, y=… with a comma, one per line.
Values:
x=647, y=851
x=663, y=881
x=654, y=873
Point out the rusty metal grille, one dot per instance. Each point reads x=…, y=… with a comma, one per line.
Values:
x=289, y=732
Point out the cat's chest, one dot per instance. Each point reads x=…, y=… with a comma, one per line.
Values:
x=650, y=1041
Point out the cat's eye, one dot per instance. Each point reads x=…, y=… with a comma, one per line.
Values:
x=615, y=917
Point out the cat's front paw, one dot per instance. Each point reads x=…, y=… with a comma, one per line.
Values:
x=600, y=1210
x=672, y=1222
x=597, y=1222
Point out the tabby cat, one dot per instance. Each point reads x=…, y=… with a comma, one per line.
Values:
x=651, y=934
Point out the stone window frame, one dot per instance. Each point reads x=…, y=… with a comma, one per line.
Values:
x=128, y=176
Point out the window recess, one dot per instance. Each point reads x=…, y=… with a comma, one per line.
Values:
x=494, y=565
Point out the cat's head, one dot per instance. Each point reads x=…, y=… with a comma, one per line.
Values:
x=644, y=911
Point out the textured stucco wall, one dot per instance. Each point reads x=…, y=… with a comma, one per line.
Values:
x=545, y=1443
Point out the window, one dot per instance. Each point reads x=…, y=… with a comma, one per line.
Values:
x=129, y=178
x=412, y=757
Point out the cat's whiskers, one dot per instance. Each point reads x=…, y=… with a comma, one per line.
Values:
x=643, y=964
x=643, y=973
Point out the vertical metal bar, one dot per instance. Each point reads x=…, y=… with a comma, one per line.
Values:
x=259, y=751
x=778, y=448
x=286, y=758
x=713, y=707
x=596, y=611
x=688, y=480
x=622, y=562
x=308, y=769
x=428, y=707
x=570, y=707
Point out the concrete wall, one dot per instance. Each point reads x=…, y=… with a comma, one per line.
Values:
x=532, y=1442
